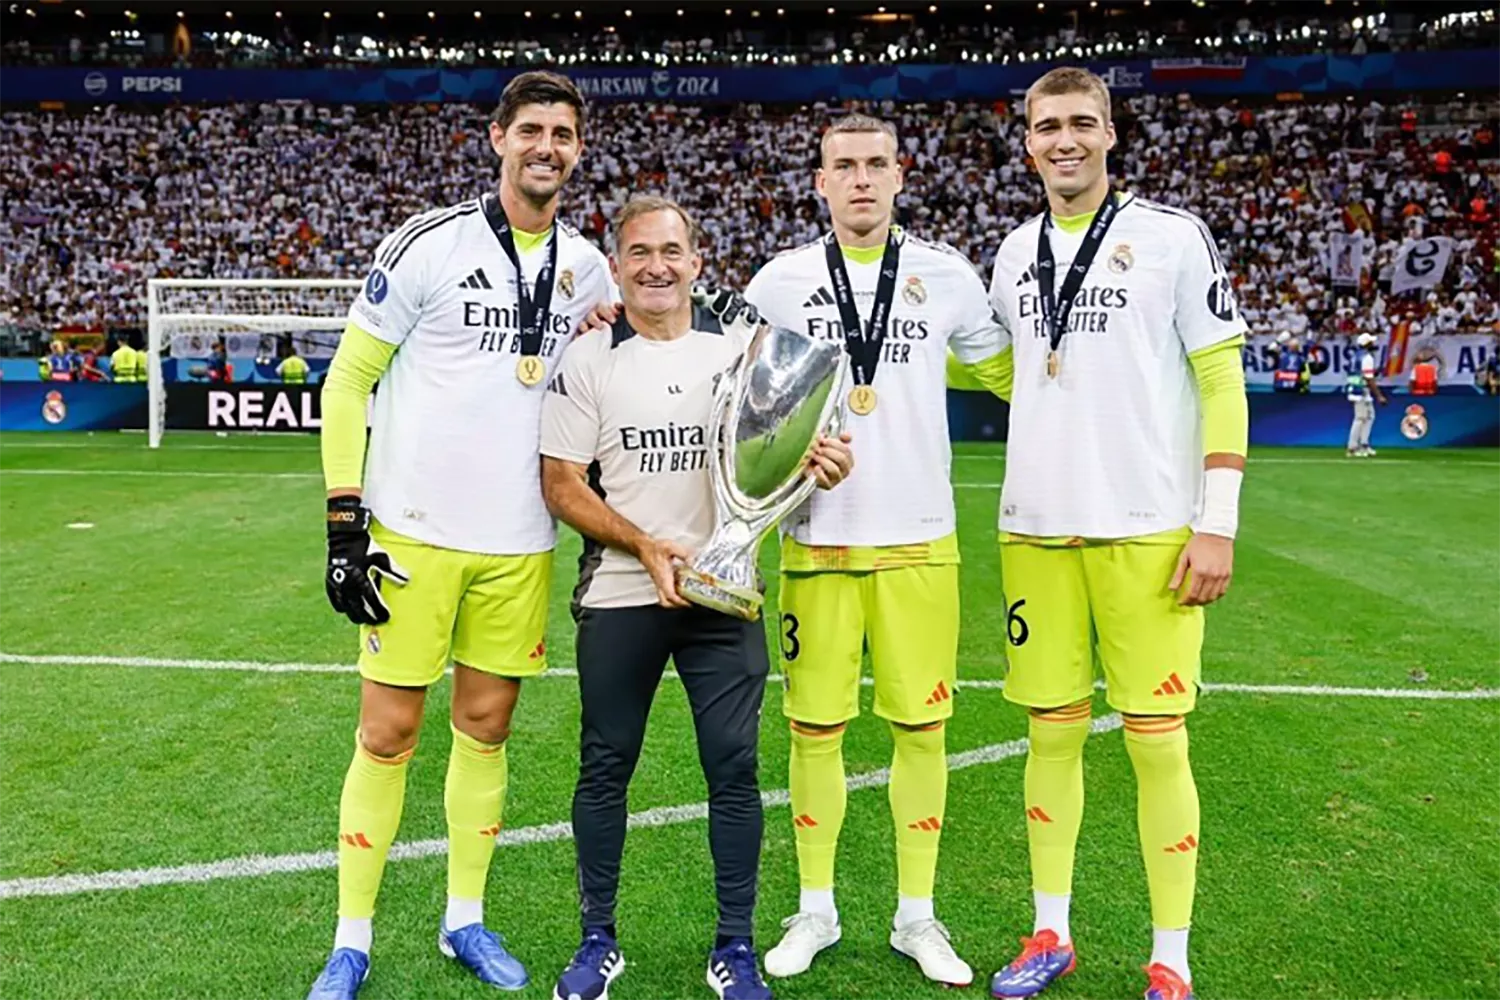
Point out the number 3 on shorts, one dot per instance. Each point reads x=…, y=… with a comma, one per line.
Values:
x=791, y=646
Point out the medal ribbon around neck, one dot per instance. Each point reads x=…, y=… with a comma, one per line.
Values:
x=860, y=340
x=533, y=309
x=1056, y=310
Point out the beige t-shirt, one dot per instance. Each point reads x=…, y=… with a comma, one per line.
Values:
x=636, y=411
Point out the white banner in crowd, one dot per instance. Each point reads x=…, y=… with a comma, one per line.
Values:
x=1346, y=258
x=1421, y=263
x=1459, y=358
x=310, y=344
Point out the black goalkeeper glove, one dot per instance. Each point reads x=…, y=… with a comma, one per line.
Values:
x=357, y=563
x=727, y=306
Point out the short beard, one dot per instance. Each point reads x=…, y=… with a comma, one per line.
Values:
x=527, y=190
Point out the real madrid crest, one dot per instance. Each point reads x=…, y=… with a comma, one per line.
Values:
x=914, y=293
x=54, y=410
x=1414, y=423
x=1120, y=259
x=565, y=282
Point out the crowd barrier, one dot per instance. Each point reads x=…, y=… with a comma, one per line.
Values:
x=1452, y=418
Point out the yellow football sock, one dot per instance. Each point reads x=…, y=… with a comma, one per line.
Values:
x=919, y=797
x=1167, y=812
x=818, y=800
x=369, y=813
x=474, y=795
x=1054, y=795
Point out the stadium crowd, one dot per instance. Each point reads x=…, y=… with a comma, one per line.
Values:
x=593, y=35
x=92, y=204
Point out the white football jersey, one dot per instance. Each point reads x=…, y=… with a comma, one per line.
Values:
x=1111, y=447
x=899, y=492
x=453, y=455
x=636, y=411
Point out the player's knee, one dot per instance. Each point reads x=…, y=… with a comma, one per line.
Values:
x=818, y=729
x=1136, y=723
x=1063, y=712
x=1061, y=732
x=606, y=770
x=485, y=715
x=729, y=762
x=389, y=734
x=1156, y=742
x=492, y=729
x=919, y=738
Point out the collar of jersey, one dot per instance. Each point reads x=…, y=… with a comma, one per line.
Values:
x=1074, y=223
x=527, y=242
x=864, y=255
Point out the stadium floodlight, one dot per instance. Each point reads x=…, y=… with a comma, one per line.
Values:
x=186, y=317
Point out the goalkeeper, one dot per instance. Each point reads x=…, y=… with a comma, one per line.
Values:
x=1119, y=508
x=874, y=565
x=440, y=547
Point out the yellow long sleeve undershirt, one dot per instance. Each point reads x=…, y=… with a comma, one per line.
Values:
x=1220, y=375
x=362, y=358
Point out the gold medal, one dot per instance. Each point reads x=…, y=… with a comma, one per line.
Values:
x=862, y=400
x=530, y=370
x=1054, y=364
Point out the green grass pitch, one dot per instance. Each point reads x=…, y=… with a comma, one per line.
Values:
x=1351, y=841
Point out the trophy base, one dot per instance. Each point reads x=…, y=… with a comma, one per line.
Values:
x=706, y=591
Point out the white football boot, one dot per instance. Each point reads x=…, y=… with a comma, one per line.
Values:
x=806, y=935
x=926, y=942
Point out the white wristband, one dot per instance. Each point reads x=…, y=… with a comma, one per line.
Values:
x=1221, y=502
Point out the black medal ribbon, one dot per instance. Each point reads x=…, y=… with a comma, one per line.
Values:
x=863, y=342
x=533, y=309
x=1056, y=310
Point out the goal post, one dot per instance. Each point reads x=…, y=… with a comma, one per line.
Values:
x=251, y=317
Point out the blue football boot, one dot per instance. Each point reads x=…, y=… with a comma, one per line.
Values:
x=342, y=977
x=483, y=953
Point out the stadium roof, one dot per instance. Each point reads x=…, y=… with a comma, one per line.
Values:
x=764, y=8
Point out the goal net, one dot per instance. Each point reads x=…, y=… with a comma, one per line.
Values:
x=256, y=322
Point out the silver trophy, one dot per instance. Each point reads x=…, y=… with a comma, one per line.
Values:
x=769, y=410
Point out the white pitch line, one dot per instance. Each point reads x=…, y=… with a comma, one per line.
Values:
x=1309, y=461
x=1319, y=690
x=163, y=473
x=258, y=865
x=976, y=684
x=308, y=449
x=147, y=662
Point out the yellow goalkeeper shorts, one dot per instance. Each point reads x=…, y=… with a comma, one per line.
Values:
x=1063, y=603
x=488, y=612
x=908, y=619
